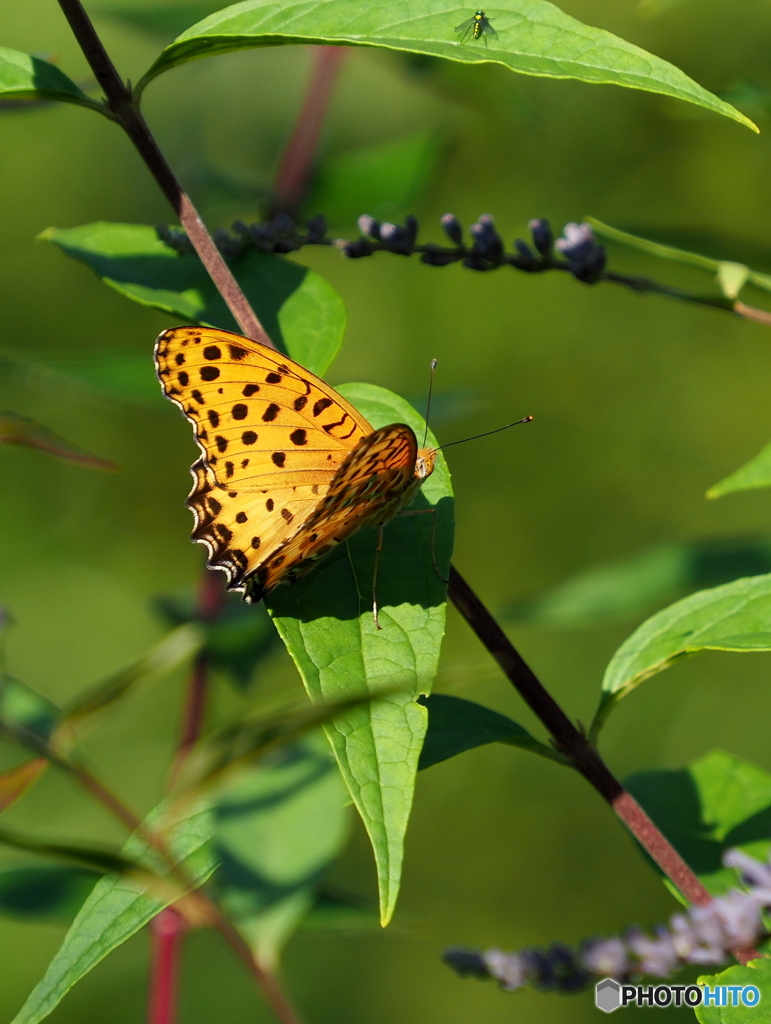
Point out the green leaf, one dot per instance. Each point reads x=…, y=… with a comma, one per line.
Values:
x=624, y=587
x=101, y=860
x=50, y=894
x=757, y=973
x=730, y=276
x=755, y=473
x=23, y=77
x=716, y=803
x=277, y=830
x=26, y=715
x=383, y=180
x=325, y=620
x=534, y=38
x=301, y=312
x=337, y=911
x=456, y=725
x=119, y=907
x=734, y=617
x=15, y=429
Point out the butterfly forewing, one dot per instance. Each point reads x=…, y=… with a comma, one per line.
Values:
x=272, y=436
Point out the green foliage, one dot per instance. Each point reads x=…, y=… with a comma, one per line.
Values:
x=756, y=972
x=730, y=275
x=456, y=725
x=278, y=827
x=534, y=38
x=301, y=312
x=23, y=77
x=119, y=906
x=624, y=587
x=383, y=180
x=734, y=617
x=755, y=473
x=325, y=619
x=48, y=894
x=714, y=804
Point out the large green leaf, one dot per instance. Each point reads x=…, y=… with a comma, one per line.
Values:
x=755, y=473
x=118, y=907
x=301, y=312
x=534, y=37
x=277, y=829
x=757, y=973
x=734, y=617
x=716, y=803
x=23, y=77
x=456, y=725
x=326, y=621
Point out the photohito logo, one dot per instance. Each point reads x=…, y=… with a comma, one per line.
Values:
x=609, y=995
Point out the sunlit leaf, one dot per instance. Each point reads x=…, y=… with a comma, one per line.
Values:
x=23, y=77
x=456, y=725
x=51, y=893
x=15, y=782
x=716, y=803
x=21, y=430
x=119, y=907
x=757, y=973
x=753, y=474
x=326, y=621
x=301, y=312
x=734, y=617
x=277, y=829
x=534, y=37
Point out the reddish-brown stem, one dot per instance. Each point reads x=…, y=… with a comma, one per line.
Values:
x=760, y=316
x=167, y=931
x=297, y=159
x=126, y=113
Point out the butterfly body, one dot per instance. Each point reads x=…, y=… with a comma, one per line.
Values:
x=288, y=467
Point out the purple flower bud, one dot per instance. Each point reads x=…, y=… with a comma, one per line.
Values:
x=411, y=229
x=356, y=249
x=452, y=228
x=487, y=242
x=607, y=958
x=434, y=257
x=466, y=962
x=316, y=229
x=369, y=226
x=283, y=224
x=240, y=227
x=395, y=239
x=508, y=969
x=543, y=239
x=657, y=956
x=753, y=872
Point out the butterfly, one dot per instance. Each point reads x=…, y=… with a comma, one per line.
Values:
x=288, y=467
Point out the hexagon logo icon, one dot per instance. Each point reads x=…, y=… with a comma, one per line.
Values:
x=607, y=995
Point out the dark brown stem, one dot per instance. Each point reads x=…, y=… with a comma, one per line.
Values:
x=570, y=741
x=297, y=160
x=127, y=114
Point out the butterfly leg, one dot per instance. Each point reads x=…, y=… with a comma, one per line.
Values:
x=422, y=512
x=378, y=549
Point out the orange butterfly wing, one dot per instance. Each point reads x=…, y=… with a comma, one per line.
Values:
x=280, y=450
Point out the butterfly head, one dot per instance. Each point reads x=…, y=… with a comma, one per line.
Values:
x=424, y=464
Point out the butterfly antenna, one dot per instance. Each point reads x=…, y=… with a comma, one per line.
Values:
x=525, y=419
x=428, y=403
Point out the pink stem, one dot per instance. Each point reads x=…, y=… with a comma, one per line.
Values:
x=167, y=930
x=294, y=170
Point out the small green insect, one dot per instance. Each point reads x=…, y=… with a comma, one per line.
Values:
x=477, y=27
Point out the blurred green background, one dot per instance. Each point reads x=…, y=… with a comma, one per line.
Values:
x=640, y=405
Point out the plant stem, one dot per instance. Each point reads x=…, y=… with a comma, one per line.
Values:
x=120, y=102
x=167, y=930
x=297, y=159
x=570, y=741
